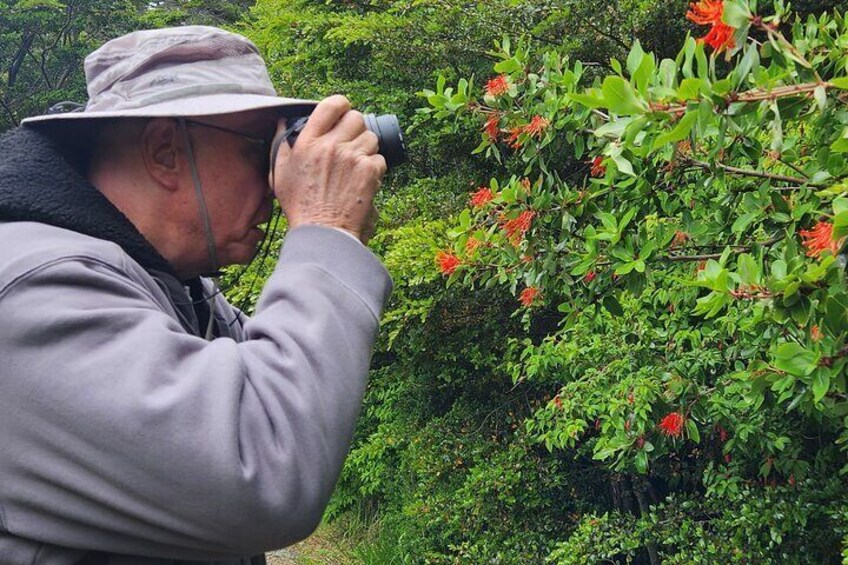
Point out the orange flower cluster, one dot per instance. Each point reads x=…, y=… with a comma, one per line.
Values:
x=672, y=424
x=492, y=129
x=820, y=239
x=529, y=295
x=512, y=140
x=709, y=12
x=680, y=239
x=471, y=245
x=482, y=197
x=816, y=334
x=515, y=229
x=598, y=167
x=537, y=126
x=448, y=262
x=497, y=86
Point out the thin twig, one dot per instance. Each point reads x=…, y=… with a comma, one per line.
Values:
x=752, y=173
x=735, y=249
x=795, y=168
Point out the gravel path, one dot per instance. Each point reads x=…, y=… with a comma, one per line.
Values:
x=287, y=556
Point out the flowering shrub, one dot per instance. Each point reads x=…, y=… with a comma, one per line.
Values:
x=684, y=219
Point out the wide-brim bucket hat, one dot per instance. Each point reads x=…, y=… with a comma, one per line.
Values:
x=176, y=72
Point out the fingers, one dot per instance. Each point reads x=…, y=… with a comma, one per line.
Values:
x=334, y=114
x=367, y=142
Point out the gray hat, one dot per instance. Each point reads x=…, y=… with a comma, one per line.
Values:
x=181, y=71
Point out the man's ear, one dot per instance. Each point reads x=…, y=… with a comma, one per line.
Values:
x=161, y=147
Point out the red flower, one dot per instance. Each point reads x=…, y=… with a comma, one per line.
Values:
x=492, y=128
x=709, y=12
x=497, y=86
x=471, y=245
x=529, y=295
x=598, y=167
x=482, y=197
x=672, y=424
x=448, y=262
x=820, y=239
x=512, y=140
x=722, y=433
x=537, y=126
x=680, y=238
x=515, y=229
x=590, y=276
x=558, y=402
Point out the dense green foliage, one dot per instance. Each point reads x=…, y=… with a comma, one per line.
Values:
x=495, y=437
x=664, y=189
x=700, y=355
x=43, y=43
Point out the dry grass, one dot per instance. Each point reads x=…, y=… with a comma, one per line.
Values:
x=327, y=546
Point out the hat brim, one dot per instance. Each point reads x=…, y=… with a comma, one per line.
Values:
x=206, y=105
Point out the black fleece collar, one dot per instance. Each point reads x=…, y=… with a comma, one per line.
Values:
x=38, y=185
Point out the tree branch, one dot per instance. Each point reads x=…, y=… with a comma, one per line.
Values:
x=752, y=173
x=18, y=59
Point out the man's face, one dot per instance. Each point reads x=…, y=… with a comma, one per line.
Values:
x=234, y=177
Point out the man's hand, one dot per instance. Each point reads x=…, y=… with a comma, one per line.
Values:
x=331, y=174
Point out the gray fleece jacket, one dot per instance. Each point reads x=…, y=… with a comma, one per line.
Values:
x=127, y=438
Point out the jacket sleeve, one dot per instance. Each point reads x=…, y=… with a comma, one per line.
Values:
x=122, y=433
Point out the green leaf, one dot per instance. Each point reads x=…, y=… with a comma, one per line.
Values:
x=736, y=14
x=690, y=89
x=465, y=219
x=684, y=126
x=620, y=97
x=836, y=313
x=508, y=66
x=612, y=305
x=692, y=430
x=642, y=462
x=841, y=82
x=795, y=359
x=623, y=165
x=590, y=99
x=821, y=383
x=634, y=58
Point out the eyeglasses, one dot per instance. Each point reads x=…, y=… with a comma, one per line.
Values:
x=263, y=144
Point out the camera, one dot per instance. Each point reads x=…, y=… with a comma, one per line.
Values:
x=385, y=126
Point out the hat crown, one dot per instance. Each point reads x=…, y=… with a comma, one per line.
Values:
x=152, y=66
x=176, y=72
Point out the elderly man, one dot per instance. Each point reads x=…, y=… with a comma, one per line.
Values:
x=145, y=420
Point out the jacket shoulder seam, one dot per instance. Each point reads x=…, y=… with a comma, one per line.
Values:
x=64, y=259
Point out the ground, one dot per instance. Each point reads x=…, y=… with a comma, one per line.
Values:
x=327, y=546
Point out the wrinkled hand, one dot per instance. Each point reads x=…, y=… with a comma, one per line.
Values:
x=331, y=174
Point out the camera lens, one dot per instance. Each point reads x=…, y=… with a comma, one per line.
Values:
x=385, y=126
x=389, y=135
